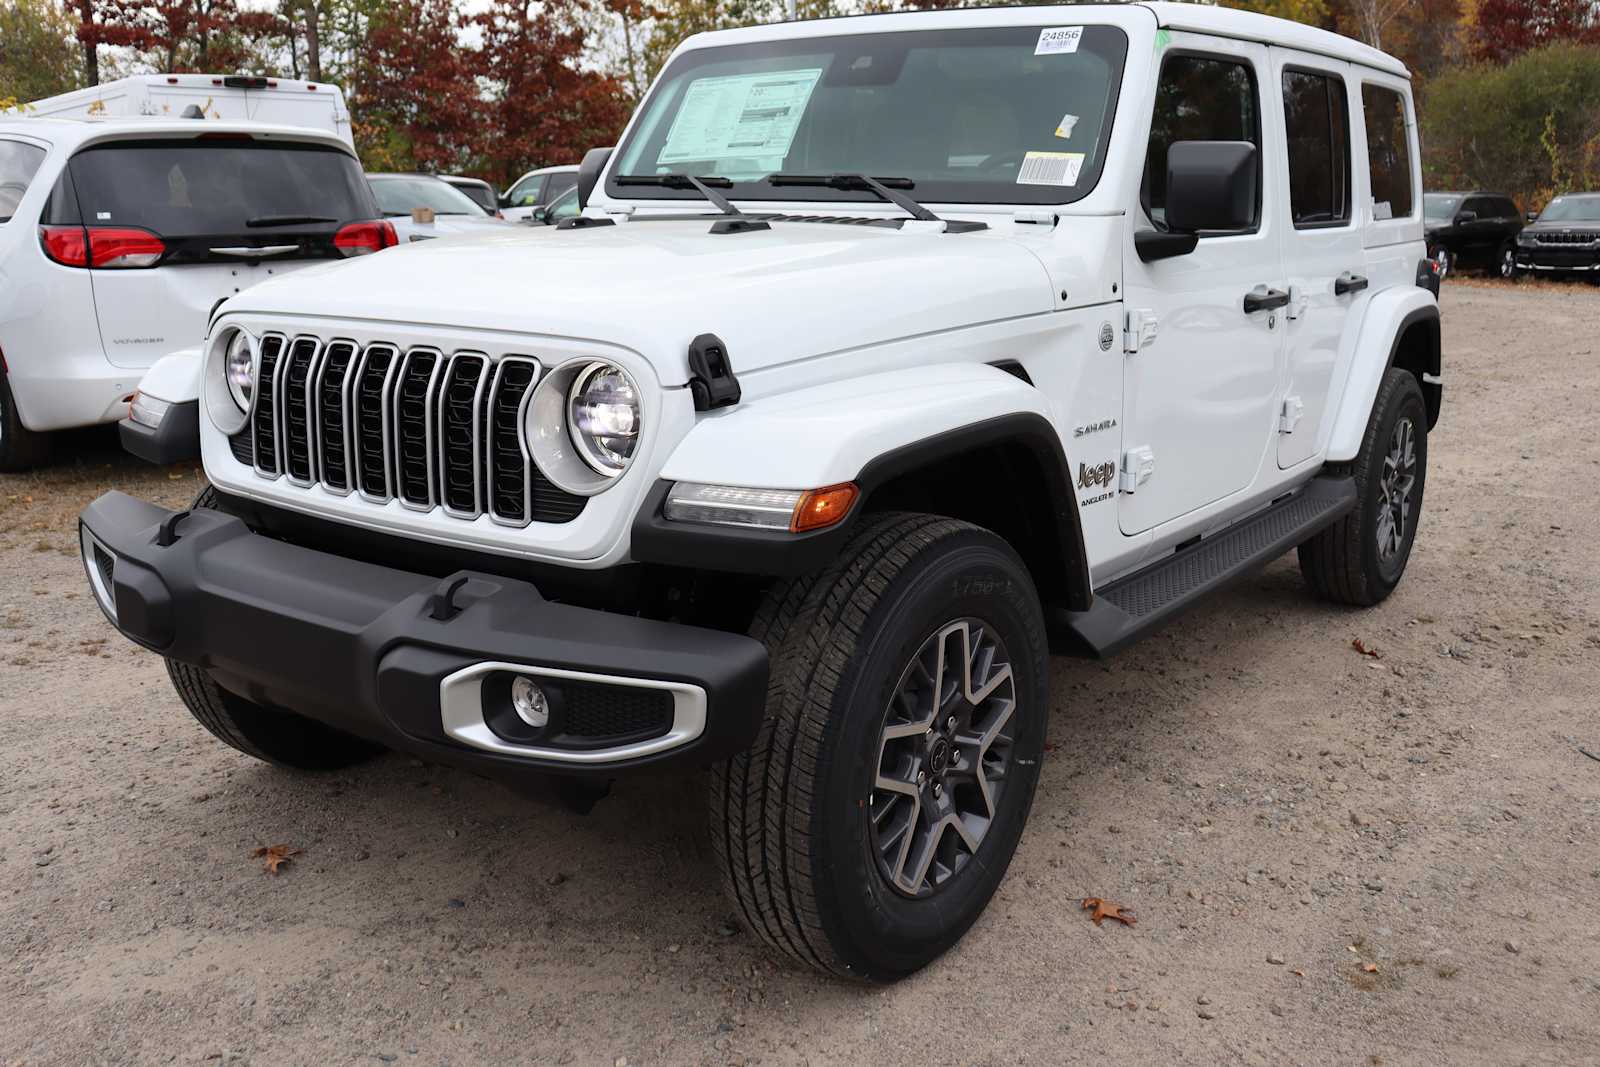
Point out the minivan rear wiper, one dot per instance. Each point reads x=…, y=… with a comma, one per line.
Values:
x=738, y=221
x=885, y=188
x=286, y=220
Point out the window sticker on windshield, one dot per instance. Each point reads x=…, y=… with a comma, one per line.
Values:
x=1050, y=168
x=1058, y=41
x=739, y=115
x=1064, y=131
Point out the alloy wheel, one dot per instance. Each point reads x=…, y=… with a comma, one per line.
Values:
x=943, y=757
x=1395, y=483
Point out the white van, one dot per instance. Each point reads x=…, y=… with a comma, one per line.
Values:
x=118, y=237
x=282, y=101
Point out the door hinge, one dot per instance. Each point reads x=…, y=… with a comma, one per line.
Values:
x=1140, y=326
x=1289, y=416
x=1138, y=464
x=1297, y=303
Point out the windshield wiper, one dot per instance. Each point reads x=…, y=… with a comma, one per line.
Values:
x=286, y=220
x=885, y=188
x=737, y=221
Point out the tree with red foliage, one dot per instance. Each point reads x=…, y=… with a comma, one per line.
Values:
x=1504, y=29
x=544, y=107
x=414, y=95
x=176, y=35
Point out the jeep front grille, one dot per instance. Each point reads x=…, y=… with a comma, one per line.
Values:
x=1566, y=238
x=429, y=429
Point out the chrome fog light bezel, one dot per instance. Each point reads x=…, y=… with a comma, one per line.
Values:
x=220, y=402
x=105, y=596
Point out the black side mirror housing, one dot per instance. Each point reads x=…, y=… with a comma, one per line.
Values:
x=1532, y=216
x=1211, y=185
x=594, y=161
x=1466, y=216
x=541, y=215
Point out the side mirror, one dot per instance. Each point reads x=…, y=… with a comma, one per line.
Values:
x=541, y=215
x=1211, y=185
x=1466, y=216
x=1532, y=216
x=594, y=161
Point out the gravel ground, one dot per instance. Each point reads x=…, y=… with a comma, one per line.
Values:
x=1333, y=859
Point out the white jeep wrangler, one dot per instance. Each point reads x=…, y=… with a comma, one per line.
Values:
x=889, y=355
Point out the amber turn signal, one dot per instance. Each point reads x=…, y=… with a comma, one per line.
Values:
x=821, y=508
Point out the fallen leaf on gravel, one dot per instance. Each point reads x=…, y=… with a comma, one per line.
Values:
x=1104, y=909
x=276, y=855
x=1370, y=968
x=1298, y=974
x=1361, y=647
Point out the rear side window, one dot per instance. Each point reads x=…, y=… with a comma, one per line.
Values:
x=215, y=188
x=1200, y=98
x=1388, y=152
x=1316, y=114
x=559, y=183
x=19, y=162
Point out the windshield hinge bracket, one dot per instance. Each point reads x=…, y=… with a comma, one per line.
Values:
x=711, y=379
x=739, y=224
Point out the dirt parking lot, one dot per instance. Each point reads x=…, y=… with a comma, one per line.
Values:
x=1333, y=858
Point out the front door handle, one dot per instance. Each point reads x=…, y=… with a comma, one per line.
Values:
x=1263, y=299
x=1349, y=283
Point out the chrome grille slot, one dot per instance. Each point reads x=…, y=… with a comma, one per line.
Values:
x=509, y=466
x=461, y=408
x=294, y=391
x=369, y=420
x=431, y=428
x=332, y=400
x=263, y=420
x=414, y=427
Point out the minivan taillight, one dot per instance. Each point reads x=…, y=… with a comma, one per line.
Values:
x=102, y=247
x=364, y=238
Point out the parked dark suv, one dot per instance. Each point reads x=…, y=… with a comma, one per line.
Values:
x=1564, y=239
x=1477, y=229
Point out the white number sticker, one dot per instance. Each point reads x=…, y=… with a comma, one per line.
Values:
x=1058, y=41
x=1050, y=168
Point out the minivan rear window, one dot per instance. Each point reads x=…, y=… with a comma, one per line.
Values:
x=211, y=188
x=18, y=164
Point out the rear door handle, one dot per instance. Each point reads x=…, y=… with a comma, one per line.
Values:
x=1262, y=298
x=1349, y=283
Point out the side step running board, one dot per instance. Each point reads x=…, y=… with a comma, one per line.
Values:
x=1131, y=606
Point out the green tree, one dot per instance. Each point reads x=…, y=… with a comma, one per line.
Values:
x=1530, y=128
x=39, y=55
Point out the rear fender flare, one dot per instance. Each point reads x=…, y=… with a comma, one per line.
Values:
x=1389, y=315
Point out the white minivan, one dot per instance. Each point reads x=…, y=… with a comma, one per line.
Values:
x=118, y=237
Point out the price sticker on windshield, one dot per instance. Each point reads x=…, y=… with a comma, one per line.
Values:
x=1050, y=168
x=1058, y=41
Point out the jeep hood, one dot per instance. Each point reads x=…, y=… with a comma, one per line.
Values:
x=794, y=291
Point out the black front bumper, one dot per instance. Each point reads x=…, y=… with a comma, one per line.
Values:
x=1556, y=259
x=364, y=649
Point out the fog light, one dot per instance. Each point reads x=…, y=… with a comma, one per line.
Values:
x=529, y=702
x=147, y=410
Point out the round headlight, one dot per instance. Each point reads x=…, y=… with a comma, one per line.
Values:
x=239, y=367
x=603, y=417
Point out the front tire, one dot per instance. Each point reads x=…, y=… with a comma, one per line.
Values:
x=20, y=448
x=875, y=816
x=1361, y=558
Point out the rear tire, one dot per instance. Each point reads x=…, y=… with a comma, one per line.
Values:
x=1361, y=558
x=268, y=734
x=821, y=829
x=20, y=448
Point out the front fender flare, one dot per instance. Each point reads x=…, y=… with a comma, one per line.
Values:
x=867, y=430
x=1389, y=314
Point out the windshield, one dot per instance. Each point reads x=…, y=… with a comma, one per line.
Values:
x=1438, y=206
x=215, y=187
x=399, y=195
x=1572, y=209
x=1007, y=115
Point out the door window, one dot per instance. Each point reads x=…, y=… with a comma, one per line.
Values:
x=1316, y=114
x=1388, y=152
x=559, y=183
x=1199, y=98
x=18, y=164
x=526, y=192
